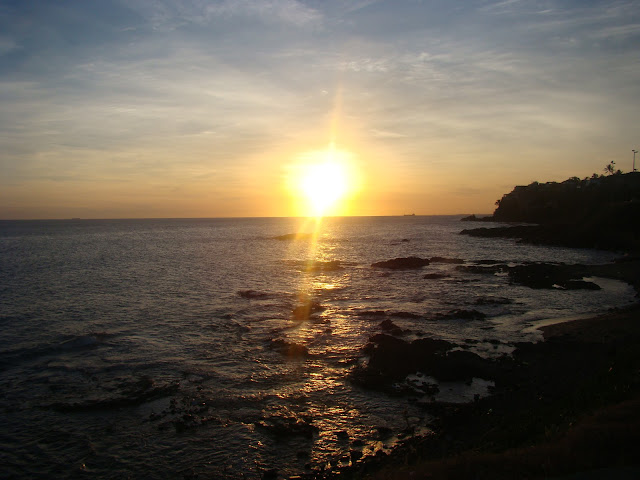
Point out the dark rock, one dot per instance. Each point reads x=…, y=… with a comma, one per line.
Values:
x=287, y=426
x=355, y=455
x=445, y=260
x=390, y=327
x=252, y=294
x=304, y=311
x=271, y=474
x=405, y=315
x=404, y=263
x=546, y=275
x=579, y=285
x=288, y=349
x=461, y=365
x=372, y=313
x=435, y=276
x=131, y=394
x=459, y=314
x=474, y=218
x=383, y=432
x=295, y=236
x=483, y=269
x=430, y=346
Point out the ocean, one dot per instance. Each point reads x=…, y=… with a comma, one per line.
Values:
x=157, y=348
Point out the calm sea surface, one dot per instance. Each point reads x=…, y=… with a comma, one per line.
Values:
x=144, y=348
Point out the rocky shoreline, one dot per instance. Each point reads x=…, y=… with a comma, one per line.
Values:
x=565, y=405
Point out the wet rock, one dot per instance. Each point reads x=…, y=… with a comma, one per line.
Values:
x=405, y=315
x=435, y=276
x=460, y=314
x=390, y=327
x=252, y=294
x=546, y=275
x=446, y=260
x=355, y=455
x=474, y=218
x=461, y=365
x=404, y=263
x=372, y=313
x=287, y=426
x=271, y=474
x=430, y=346
x=135, y=393
x=579, y=285
x=304, y=311
x=294, y=236
x=391, y=359
x=289, y=349
x=483, y=269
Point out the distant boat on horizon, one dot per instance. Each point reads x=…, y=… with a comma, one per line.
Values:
x=409, y=214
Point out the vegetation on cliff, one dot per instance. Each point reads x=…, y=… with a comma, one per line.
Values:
x=600, y=212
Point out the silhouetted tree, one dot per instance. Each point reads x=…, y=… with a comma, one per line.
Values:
x=611, y=169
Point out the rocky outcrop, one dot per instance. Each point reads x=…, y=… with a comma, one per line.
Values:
x=539, y=275
x=294, y=236
x=391, y=359
x=289, y=349
x=404, y=263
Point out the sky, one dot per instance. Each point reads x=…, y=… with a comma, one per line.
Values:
x=195, y=108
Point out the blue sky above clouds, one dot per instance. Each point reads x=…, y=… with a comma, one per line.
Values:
x=194, y=108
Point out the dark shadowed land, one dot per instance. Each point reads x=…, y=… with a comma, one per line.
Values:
x=598, y=212
x=569, y=406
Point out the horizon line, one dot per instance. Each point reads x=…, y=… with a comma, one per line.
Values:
x=232, y=218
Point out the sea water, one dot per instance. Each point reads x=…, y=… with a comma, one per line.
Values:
x=144, y=348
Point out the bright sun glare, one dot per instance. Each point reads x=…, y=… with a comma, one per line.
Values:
x=324, y=181
x=324, y=184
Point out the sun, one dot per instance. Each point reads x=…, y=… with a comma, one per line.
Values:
x=323, y=180
x=324, y=184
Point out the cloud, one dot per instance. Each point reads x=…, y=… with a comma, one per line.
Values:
x=170, y=14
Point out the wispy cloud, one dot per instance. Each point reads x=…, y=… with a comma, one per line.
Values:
x=171, y=14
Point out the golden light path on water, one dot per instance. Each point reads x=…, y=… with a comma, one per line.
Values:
x=326, y=372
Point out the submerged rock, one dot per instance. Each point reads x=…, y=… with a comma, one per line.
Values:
x=295, y=236
x=459, y=314
x=435, y=276
x=304, y=311
x=287, y=426
x=131, y=394
x=402, y=263
x=446, y=260
x=252, y=294
x=289, y=349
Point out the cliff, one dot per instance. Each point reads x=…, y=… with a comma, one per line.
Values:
x=598, y=212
